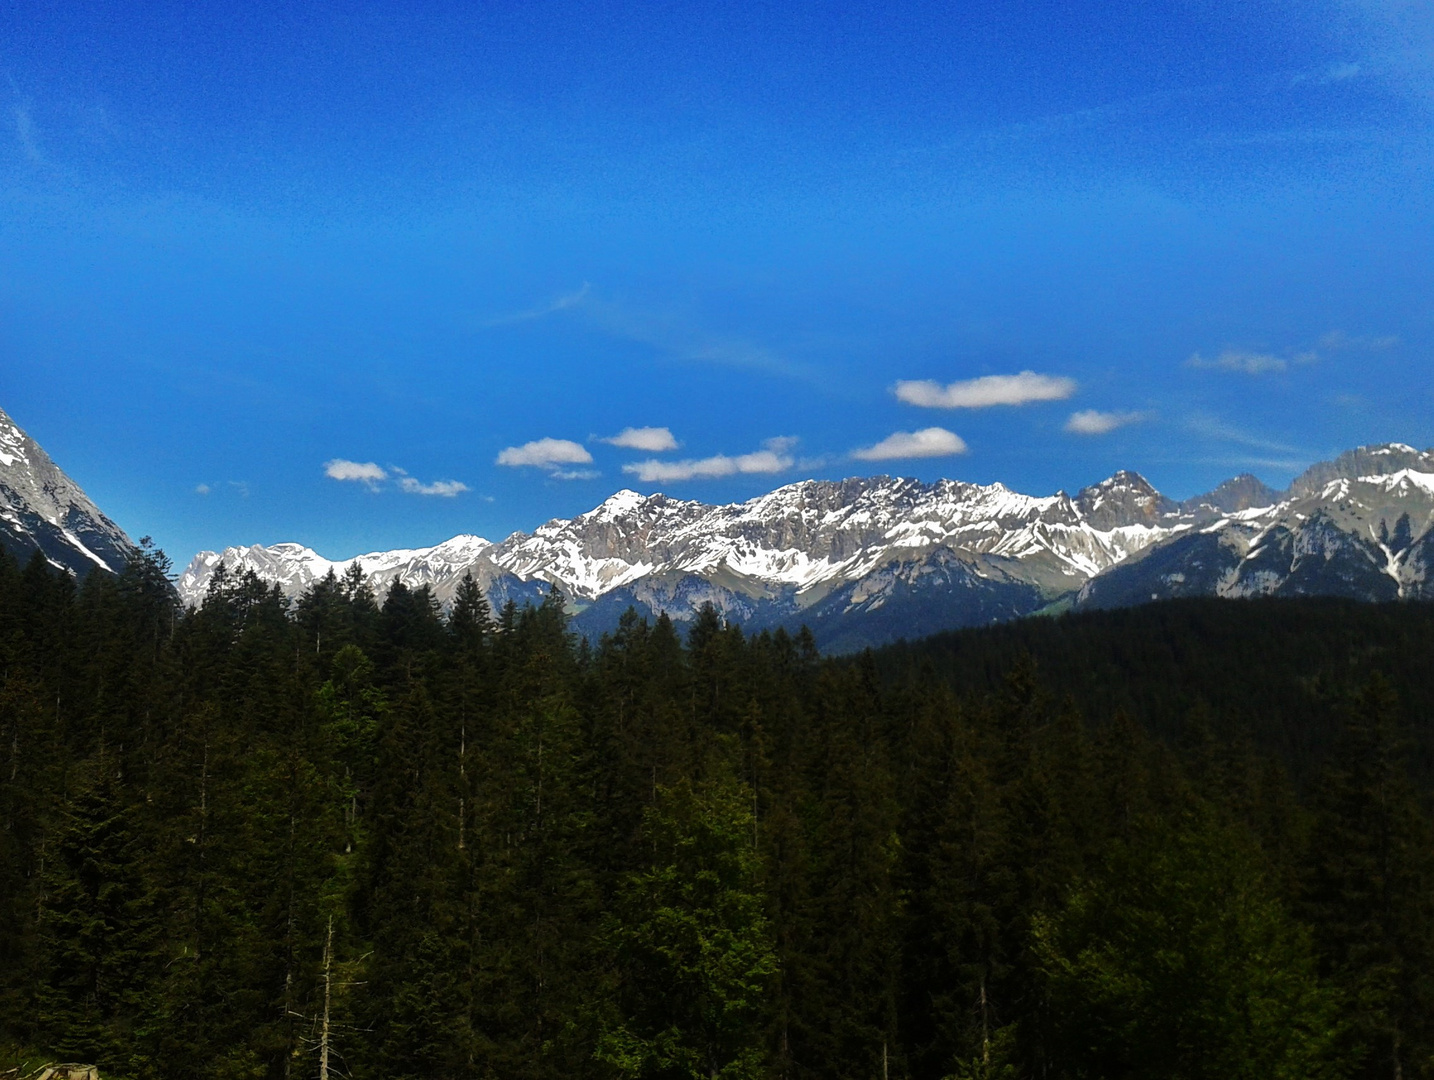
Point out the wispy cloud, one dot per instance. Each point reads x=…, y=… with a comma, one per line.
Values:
x=1396, y=39
x=217, y=489
x=654, y=440
x=1247, y=362
x=926, y=443
x=445, y=489
x=1337, y=72
x=1213, y=428
x=1094, y=422
x=674, y=334
x=774, y=457
x=1019, y=389
x=1338, y=339
x=374, y=476
x=1255, y=362
x=25, y=132
x=565, y=302
x=681, y=337
x=546, y=453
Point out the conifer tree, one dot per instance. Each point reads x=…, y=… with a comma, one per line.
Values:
x=97, y=925
x=471, y=620
x=691, y=942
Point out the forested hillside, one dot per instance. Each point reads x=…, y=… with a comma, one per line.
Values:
x=1278, y=672
x=265, y=839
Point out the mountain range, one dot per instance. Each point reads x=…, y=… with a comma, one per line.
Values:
x=860, y=561
x=867, y=560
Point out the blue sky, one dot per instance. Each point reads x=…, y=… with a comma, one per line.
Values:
x=370, y=276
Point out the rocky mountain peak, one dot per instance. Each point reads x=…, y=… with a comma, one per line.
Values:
x=42, y=509
x=1242, y=492
x=1379, y=459
x=1126, y=498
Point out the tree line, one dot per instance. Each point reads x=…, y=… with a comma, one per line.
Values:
x=343, y=838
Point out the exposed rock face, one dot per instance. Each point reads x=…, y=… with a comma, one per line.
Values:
x=42, y=509
x=1125, y=499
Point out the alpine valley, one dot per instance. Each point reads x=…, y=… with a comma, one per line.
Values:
x=860, y=561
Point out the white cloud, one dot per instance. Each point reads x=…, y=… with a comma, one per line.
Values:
x=575, y=474
x=362, y=471
x=201, y=489
x=928, y=442
x=374, y=477
x=1093, y=422
x=546, y=454
x=1020, y=389
x=773, y=458
x=446, y=489
x=1250, y=363
x=652, y=439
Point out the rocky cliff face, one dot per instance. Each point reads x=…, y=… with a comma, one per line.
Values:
x=42, y=509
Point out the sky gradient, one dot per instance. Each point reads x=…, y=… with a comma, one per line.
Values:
x=369, y=276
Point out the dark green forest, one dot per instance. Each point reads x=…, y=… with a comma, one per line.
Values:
x=343, y=839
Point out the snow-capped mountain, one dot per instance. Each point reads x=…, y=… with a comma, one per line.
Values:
x=295, y=568
x=869, y=560
x=42, y=509
x=1361, y=526
x=862, y=560
x=816, y=551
